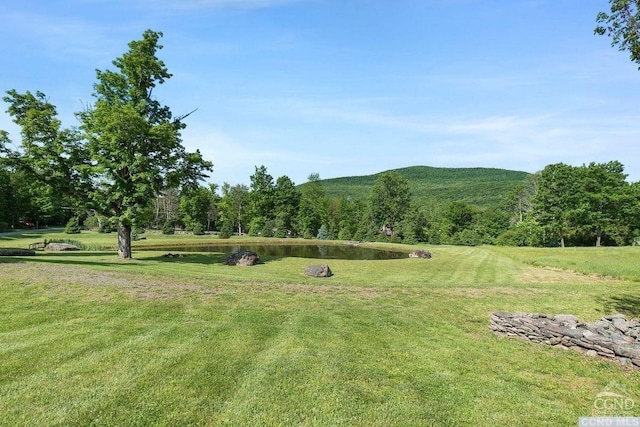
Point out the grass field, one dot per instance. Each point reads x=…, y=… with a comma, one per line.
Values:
x=87, y=339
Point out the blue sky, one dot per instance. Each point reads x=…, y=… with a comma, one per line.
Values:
x=350, y=87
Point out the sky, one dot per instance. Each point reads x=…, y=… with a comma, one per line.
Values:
x=349, y=87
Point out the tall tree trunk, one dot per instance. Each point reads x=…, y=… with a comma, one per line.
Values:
x=562, y=241
x=124, y=241
x=598, y=240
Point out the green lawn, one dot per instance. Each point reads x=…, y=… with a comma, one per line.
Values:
x=87, y=339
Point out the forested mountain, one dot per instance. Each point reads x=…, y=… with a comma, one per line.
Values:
x=481, y=187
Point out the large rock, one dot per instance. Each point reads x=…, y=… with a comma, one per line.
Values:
x=243, y=258
x=319, y=270
x=58, y=247
x=420, y=254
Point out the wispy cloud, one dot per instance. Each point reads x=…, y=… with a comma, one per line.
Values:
x=523, y=141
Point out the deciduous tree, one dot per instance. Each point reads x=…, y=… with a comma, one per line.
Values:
x=313, y=207
x=390, y=200
x=622, y=24
x=134, y=140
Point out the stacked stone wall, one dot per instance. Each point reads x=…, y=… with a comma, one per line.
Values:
x=612, y=337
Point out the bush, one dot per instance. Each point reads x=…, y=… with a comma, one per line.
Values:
x=197, y=229
x=267, y=229
x=168, y=227
x=73, y=226
x=256, y=225
x=345, y=234
x=90, y=222
x=323, y=233
x=226, y=231
x=4, y=225
x=106, y=226
x=525, y=233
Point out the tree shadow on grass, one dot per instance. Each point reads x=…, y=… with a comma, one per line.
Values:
x=628, y=304
x=72, y=258
x=82, y=258
x=11, y=260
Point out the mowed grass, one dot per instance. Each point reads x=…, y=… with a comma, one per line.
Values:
x=87, y=339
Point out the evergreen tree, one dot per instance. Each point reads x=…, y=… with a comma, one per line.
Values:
x=313, y=207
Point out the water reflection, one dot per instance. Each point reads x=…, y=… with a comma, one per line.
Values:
x=300, y=251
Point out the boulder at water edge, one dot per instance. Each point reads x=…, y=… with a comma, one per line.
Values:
x=244, y=258
x=420, y=254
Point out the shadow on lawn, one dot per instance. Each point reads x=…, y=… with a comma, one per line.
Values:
x=10, y=260
x=76, y=258
x=628, y=304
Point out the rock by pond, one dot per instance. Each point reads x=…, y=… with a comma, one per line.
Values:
x=420, y=254
x=243, y=258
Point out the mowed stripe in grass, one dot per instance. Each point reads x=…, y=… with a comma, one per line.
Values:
x=402, y=342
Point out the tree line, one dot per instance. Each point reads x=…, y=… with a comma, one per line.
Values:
x=560, y=205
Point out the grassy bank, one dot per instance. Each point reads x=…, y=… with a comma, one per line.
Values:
x=87, y=339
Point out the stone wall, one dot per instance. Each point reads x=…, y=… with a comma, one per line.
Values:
x=612, y=337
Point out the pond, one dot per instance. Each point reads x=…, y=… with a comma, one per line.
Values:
x=301, y=251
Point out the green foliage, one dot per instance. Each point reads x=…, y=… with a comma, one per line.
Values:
x=323, y=233
x=48, y=155
x=197, y=206
x=73, y=226
x=267, y=228
x=106, y=226
x=233, y=207
x=313, y=207
x=586, y=205
x=286, y=205
x=390, y=200
x=133, y=139
x=481, y=187
x=622, y=24
x=168, y=227
x=197, y=229
x=256, y=225
x=7, y=198
x=226, y=231
x=525, y=233
x=261, y=197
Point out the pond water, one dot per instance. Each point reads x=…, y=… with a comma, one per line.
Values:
x=300, y=251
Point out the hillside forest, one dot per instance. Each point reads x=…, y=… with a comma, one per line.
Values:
x=124, y=170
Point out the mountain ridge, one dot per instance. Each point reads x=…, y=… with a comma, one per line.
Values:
x=476, y=186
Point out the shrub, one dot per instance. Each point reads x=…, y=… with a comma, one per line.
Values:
x=168, y=227
x=525, y=233
x=197, y=228
x=226, y=231
x=73, y=226
x=106, y=226
x=256, y=225
x=267, y=229
x=345, y=234
x=323, y=233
